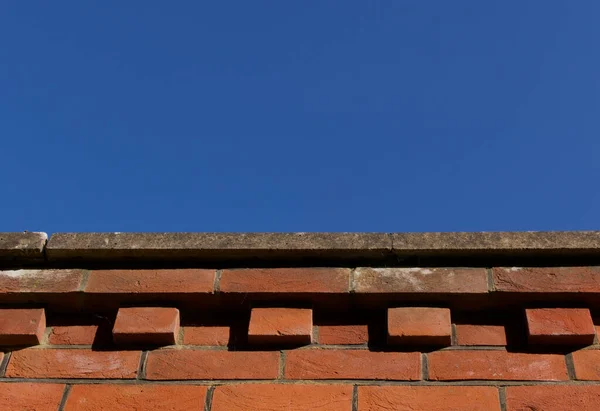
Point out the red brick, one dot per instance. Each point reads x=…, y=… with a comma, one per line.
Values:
x=26, y=396
x=136, y=397
x=151, y=281
x=420, y=280
x=212, y=365
x=209, y=335
x=322, y=364
x=73, y=334
x=73, y=363
x=428, y=398
x=285, y=280
x=547, y=279
x=289, y=397
x=22, y=326
x=553, y=398
x=480, y=334
x=280, y=325
x=40, y=281
x=560, y=326
x=458, y=365
x=419, y=325
x=343, y=334
x=587, y=364
x=146, y=325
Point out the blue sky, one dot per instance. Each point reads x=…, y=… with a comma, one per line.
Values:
x=299, y=116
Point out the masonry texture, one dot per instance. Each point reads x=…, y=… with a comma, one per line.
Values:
x=300, y=321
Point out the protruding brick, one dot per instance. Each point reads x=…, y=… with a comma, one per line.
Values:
x=285, y=280
x=560, y=326
x=162, y=282
x=206, y=335
x=319, y=364
x=459, y=365
x=419, y=325
x=212, y=365
x=420, y=280
x=547, y=279
x=428, y=398
x=480, y=334
x=280, y=326
x=146, y=325
x=289, y=397
x=72, y=363
x=27, y=396
x=22, y=326
x=135, y=397
x=587, y=365
x=553, y=398
x=343, y=334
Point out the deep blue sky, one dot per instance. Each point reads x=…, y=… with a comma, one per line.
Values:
x=299, y=116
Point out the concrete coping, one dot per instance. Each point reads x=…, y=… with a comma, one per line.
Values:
x=321, y=246
x=22, y=246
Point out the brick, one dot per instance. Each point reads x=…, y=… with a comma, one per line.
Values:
x=146, y=325
x=285, y=280
x=209, y=335
x=419, y=325
x=39, y=281
x=184, y=281
x=73, y=363
x=428, y=398
x=280, y=325
x=455, y=365
x=480, y=334
x=420, y=280
x=343, y=334
x=27, y=396
x=553, y=398
x=22, y=326
x=136, y=397
x=73, y=334
x=212, y=365
x=587, y=364
x=319, y=364
x=547, y=279
x=560, y=326
x=289, y=397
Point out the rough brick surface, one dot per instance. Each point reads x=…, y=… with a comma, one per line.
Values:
x=22, y=326
x=39, y=281
x=480, y=334
x=73, y=335
x=272, y=397
x=72, y=363
x=553, y=398
x=209, y=335
x=419, y=325
x=343, y=334
x=211, y=365
x=547, y=279
x=458, y=365
x=428, y=398
x=280, y=325
x=146, y=325
x=136, y=397
x=560, y=326
x=285, y=280
x=587, y=364
x=321, y=364
x=26, y=396
x=420, y=280
x=151, y=281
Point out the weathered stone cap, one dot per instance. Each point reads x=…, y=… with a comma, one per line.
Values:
x=220, y=246
x=22, y=246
